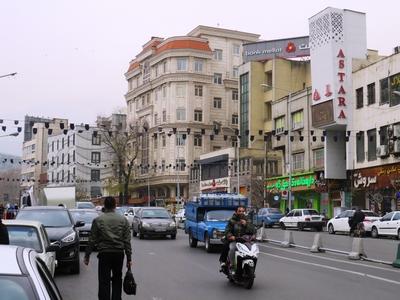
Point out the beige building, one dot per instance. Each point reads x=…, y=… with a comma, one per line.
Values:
x=182, y=92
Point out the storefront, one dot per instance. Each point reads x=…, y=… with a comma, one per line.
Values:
x=304, y=194
x=377, y=188
x=218, y=185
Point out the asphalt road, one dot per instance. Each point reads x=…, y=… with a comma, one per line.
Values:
x=170, y=270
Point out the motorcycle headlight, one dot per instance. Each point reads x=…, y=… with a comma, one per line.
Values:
x=172, y=224
x=147, y=225
x=69, y=238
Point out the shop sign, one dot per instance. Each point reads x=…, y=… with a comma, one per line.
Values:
x=297, y=183
x=214, y=183
x=363, y=181
x=379, y=177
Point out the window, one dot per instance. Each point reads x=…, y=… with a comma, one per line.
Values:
x=198, y=140
x=384, y=91
x=217, y=78
x=268, y=80
x=163, y=165
x=394, y=87
x=155, y=142
x=235, y=119
x=164, y=67
x=298, y=161
x=280, y=125
x=217, y=102
x=96, y=139
x=180, y=114
x=148, y=98
x=235, y=95
x=95, y=157
x=371, y=93
x=68, y=159
x=95, y=175
x=297, y=120
x=235, y=72
x=198, y=65
x=371, y=134
x=181, y=64
x=73, y=139
x=359, y=98
x=155, y=119
x=218, y=54
x=68, y=141
x=164, y=116
x=163, y=140
x=62, y=158
x=180, y=90
x=180, y=139
x=384, y=135
x=236, y=49
x=198, y=115
x=198, y=90
x=145, y=151
x=164, y=91
x=318, y=155
x=62, y=143
x=360, y=147
x=180, y=164
x=142, y=100
x=52, y=146
x=73, y=156
x=58, y=144
x=244, y=107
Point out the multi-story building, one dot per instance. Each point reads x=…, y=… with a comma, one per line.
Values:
x=183, y=93
x=79, y=158
x=34, y=153
x=375, y=135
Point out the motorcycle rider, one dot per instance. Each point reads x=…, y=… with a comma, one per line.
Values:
x=237, y=226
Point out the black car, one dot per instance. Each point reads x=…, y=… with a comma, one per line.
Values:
x=60, y=227
x=87, y=216
x=152, y=221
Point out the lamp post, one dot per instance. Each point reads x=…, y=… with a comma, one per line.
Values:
x=289, y=152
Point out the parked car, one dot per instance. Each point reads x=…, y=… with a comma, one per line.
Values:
x=340, y=223
x=180, y=216
x=302, y=218
x=389, y=225
x=87, y=216
x=123, y=211
x=24, y=276
x=85, y=205
x=153, y=221
x=268, y=217
x=60, y=227
x=31, y=234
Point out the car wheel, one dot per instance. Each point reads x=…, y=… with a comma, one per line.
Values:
x=207, y=243
x=300, y=226
x=75, y=269
x=283, y=227
x=173, y=236
x=192, y=240
x=331, y=230
x=374, y=232
x=398, y=234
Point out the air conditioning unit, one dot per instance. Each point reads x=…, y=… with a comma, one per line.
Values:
x=382, y=151
x=396, y=148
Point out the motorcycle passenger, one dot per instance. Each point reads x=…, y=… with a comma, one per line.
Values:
x=357, y=218
x=237, y=226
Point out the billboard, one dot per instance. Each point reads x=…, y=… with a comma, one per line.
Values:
x=284, y=48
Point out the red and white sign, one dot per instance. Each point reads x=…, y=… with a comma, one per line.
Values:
x=217, y=183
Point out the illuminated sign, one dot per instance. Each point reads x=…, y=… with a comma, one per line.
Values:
x=297, y=183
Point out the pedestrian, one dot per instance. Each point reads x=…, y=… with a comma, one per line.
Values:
x=4, y=239
x=110, y=233
x=287, y=210
x=358, y=217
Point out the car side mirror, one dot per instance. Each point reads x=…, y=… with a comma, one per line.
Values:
x=53, y=247
x=337, y=217
x=125, y=214
x=79, y=224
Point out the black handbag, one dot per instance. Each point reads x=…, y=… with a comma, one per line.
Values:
x=129, y=284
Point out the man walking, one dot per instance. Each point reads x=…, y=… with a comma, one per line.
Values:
x=110, y=233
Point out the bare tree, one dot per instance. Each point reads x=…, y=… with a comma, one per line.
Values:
x=124, y=147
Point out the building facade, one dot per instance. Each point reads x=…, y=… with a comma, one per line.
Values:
x=182, y=93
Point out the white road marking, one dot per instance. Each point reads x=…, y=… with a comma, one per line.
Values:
x=333, y=259
x=152, y=253
x=334, y=268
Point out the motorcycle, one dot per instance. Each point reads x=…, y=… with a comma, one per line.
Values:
x=242, y=270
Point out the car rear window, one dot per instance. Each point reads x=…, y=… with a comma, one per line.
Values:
x=16, y=287
x=311, y=212
x=24, y=236
x=49, y=218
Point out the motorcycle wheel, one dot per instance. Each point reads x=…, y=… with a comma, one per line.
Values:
x=249, y=283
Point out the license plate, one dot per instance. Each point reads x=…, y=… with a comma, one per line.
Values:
x=159, y=229
x=315, y=218
x=84, y=239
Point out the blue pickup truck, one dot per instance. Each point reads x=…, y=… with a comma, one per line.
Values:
x=207, y=217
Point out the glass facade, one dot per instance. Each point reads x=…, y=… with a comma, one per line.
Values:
x=244, y=109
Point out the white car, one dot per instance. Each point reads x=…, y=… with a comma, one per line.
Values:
x=24, y=276
x=389, y=224
x=32, y=234
x=302, y=218
x=180, y=216
x=340, y=223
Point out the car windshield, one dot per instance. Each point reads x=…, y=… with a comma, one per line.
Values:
x=370, y=214
x=86, y=217
x=155, y=214
x=16, y=287
x=273, y=211
x=24, y=236
x=83, y=205
x=49, y=218
x=219, y=215
x=311, y=212
x=120, y=210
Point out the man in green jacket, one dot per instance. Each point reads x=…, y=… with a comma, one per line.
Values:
x=111, y=235
x=237, y=226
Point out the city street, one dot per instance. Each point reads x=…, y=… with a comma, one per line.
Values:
x=170, y=270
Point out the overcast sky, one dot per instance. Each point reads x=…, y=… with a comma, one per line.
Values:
x=71, y=55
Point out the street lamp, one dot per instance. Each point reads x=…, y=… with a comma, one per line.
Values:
x=289, y=152
x=11, y=134
x=7, y=75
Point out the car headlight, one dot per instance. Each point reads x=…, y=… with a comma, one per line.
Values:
x=144, y=224
x=268, y=218
x=69, y=238
x=172, y=224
